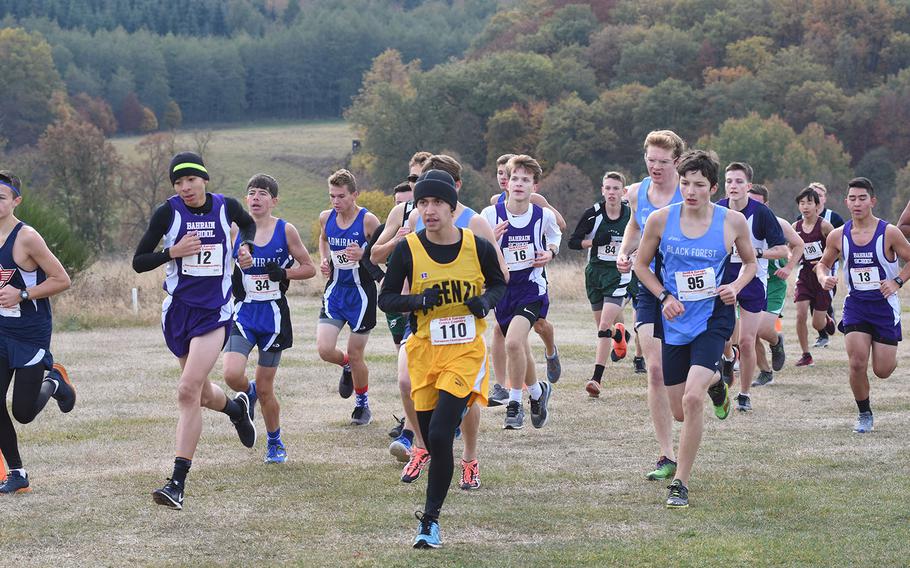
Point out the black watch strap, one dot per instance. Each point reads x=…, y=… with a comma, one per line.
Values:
x=900, y=281
x=663, y=296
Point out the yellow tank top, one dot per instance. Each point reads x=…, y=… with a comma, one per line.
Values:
x=458, y=280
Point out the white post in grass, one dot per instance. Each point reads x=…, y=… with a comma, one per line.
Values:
x=135, y=295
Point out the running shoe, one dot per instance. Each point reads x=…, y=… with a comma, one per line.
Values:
x=361, y=416
x=864, y=423
x=499, y=396
x=830, y=326
x=65, y=394
x=171, y=495
x=805, y=361
x=253, y=396
x=396, y=431
x=666, y=469
x=778, y=356
x=593, y=388
x=554, y=368
x=15, y=482
x=276, y=453
x=419, y=460
x=621, y=345
x=515, y=416
x=401, y=448
x=427, y=533
x=679, y=495
x=539, y=414
x=763, y=378
x=726, y=370
x=720, y=398
x=246, y=429
x=470, y=475
x=346, y=383
x=822, y=340
x=639, y=364
x=743, y=403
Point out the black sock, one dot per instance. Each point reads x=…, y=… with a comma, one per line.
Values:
x=605, y=333
x=233, y=409
x=598, y=373
x=863, y=405
x=181, y=468
x=408, y=434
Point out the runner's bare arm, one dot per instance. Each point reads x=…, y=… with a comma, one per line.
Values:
x=304, y=267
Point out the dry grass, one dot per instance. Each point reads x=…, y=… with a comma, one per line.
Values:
x=788, y=485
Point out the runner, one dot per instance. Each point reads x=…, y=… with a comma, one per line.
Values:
x=262, y=318
x=661, y=188
x=196, y=313
x=600, y=231
x=769, y=243
x=29, y=275
x=778, y=272
x=809, y=294
x=694, y=238
x=529, y=239
x=446, y=268
x=350, y=290
x=871, y=248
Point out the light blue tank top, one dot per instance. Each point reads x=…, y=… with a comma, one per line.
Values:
x=462, y=222
x=692, y=269
x=644, y=207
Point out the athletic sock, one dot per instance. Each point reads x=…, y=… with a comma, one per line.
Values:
x=274, y=437
x=363, y=398
x=515, y=395
x=408, y=434
x=555, y=353
x=598, y=373
x=346, y=362
x=233, y=409
x=863, y=405
x=605, y=333
x=535, y=391
x=251, y=390
x=181, y=468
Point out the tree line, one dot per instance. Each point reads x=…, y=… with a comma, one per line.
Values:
x=805, y=90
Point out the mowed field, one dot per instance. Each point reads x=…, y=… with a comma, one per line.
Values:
x=300, y=155
x=787, y=485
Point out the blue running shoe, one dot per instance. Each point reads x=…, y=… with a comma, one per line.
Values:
x=401, y=449
x=276, y=453
x=458, y=432
x=17, y=483
x=427, y=533
x=253, y=396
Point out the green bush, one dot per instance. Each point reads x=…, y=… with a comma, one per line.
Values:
x=74, y=253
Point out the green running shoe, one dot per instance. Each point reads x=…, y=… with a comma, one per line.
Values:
x=666, y=469
x=720, y=398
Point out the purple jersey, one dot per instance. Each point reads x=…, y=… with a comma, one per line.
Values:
x=520, y=246
x=866, y=267
x=201, y=280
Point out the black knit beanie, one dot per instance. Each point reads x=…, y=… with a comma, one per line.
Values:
x=436, y=183
x=187, y=164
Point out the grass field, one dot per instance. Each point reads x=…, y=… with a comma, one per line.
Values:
x=788, y=485
x=300, y=155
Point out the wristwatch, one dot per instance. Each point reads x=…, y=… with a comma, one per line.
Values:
x=900, y=281
x=663, y=296
x=23, y=294
x=759, y=252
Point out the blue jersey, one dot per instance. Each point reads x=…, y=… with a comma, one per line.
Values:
x=692, y=269
x=345, y=272
x=644, y=208
x=256, y=286
x=461, y=222
x=30, y=321
x=201, y=280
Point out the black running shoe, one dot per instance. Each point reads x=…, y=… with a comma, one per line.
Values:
x=346, y=383
x=171, y=495
x=639, y=363
x=678, y=498
x=246, y=429
x=396, y=431
x=726, y=370
x=65, y=394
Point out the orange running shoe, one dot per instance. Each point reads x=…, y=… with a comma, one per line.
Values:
x=419, y=460
x=619, y=345
x=65, y=394
x=470, y=475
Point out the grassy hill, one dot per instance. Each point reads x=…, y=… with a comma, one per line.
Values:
x=300, y=155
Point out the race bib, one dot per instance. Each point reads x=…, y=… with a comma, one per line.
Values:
x=865, y=278
x=610, y=250
x=209, y=261
x=735, y=256
x=259, y=288
x=695, y=285
x=13, y=312
x=341, y=261
x=813, y=250
x=452, y=330
x=519, y=256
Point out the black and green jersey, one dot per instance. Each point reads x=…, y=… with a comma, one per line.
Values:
x=606, y=234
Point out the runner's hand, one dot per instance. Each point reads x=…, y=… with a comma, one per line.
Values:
x=188, y=245
x=478, y=305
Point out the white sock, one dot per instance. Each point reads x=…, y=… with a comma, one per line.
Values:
x=20, y=471
x=515, y=395
x=535, y=391
x=555, y=353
